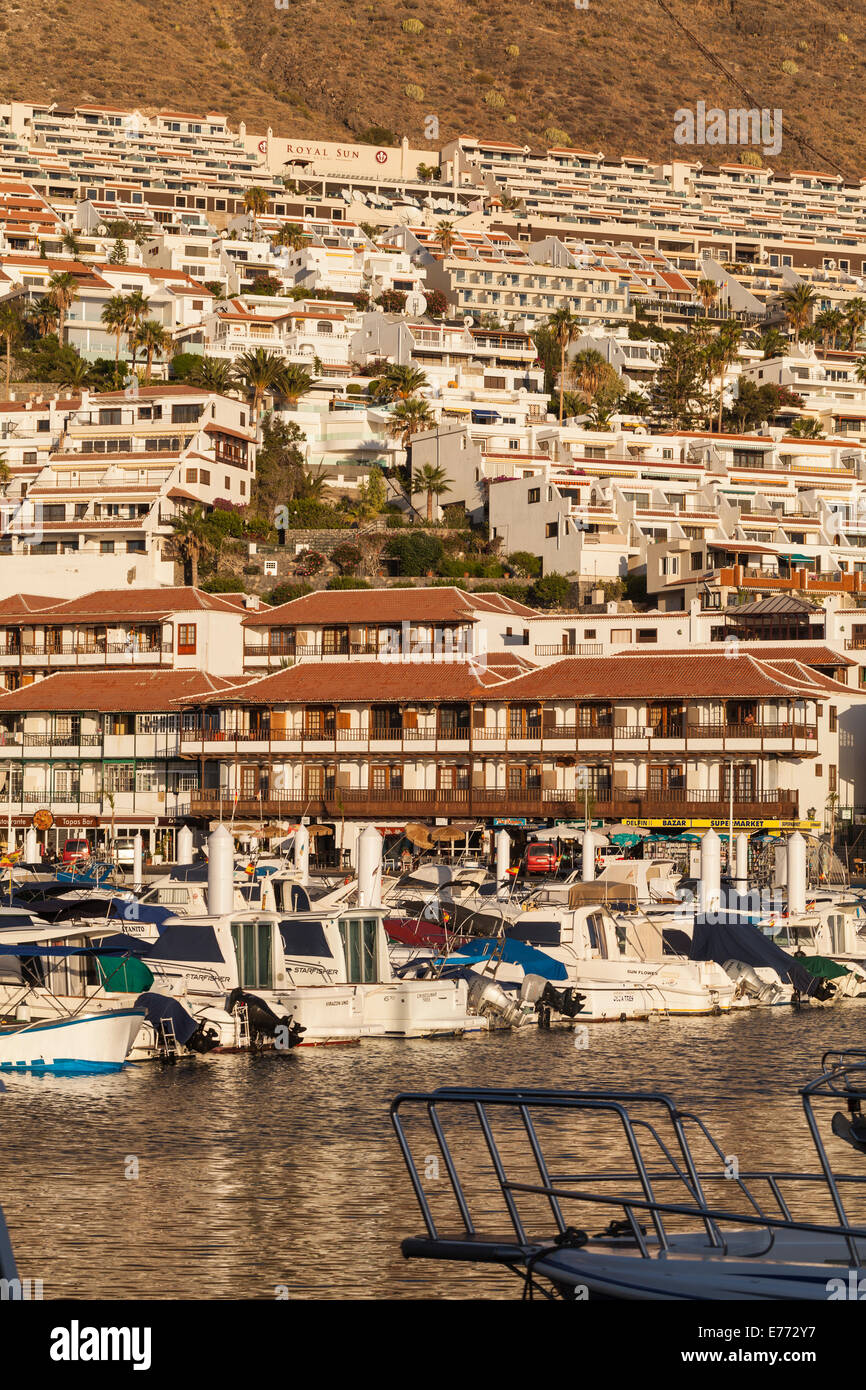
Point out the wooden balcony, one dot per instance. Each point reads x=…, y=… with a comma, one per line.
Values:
x=484, y=802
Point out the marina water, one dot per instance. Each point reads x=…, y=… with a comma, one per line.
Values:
x=278, y=1175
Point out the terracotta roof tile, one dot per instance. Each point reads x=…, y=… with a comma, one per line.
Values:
x=110, y=691
x=387, y=606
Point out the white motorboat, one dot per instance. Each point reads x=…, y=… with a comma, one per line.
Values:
x=682, y=1223
x=83, y=1042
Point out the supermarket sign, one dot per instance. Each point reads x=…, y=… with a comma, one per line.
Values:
x=723, y=823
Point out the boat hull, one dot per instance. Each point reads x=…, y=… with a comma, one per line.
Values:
x=91, y=1042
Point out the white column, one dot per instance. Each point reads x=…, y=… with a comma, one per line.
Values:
x=710, y=896
x=31, y=845
x=369, y=854
x=220, y=872
x=137, y=860
x=742, y=863
x=796, y=873
x=302, y=854
x=588, y=857
x=184, y=845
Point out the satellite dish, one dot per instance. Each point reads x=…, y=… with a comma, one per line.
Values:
x=416, y=304
x=468, y=321
x=101, y=229
x=223, y=234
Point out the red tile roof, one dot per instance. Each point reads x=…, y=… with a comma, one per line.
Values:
x=136, y=603
x=439, y=605
x=374, y=680
x=111, y=691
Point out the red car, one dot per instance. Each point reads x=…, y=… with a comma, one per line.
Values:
x=541, y=857
x=76, y=849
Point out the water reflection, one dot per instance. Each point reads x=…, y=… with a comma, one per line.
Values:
x=259, y=1172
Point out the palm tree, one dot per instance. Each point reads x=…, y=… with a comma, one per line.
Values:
x=855, y=321
x=190, y=542
x=76, y=373
x=5, y=474
x=71, y=244
x=11, y=328
x=258, y=372
x=797, y=304
x=588, y=370
x=860, y=369
x=397, y=383
x=708, y=292
x=445, y=235
x=562, y=326
x=255, y=203
x=62, y=292
x=600, y=415
x=154, y=338
x=293, y=382
x=43, y=317
x=412, y=416
x=806, y=427
x=213, y=374
x=773, y=343
x=137, y=305
x=291, y=235
x=434, y=482
x=727, y=350
x=115, y=317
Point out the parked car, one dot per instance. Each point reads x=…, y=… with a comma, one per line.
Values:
x=76, y=849
x=542, y=857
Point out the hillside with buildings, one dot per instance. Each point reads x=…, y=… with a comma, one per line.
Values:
x=602, y=76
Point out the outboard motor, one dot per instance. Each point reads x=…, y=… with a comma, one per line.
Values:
x=490, y=1000
x=548, y=999
x=749, y=982
x=262, y=1019
x=204, y=1039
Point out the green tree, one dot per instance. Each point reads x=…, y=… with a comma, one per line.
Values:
x=855, y=321
x=678, y=394
x=798, y=303
x=211, y=374
x=398, y=383
x=255, y=203
x=525, y=563
x=445, y=236
x=11, y=333
x=708, y=292
x=551, y=591
x=76, y=374
x=258, y=372
x=191, y=542
x=415, y=553
x=155, y=340
x=412, y=416
x=137, y=305
x=118, y=253
x=62, y=293
x=434, y=482
x=806, y=427
x=564, y=329
x=115, y=318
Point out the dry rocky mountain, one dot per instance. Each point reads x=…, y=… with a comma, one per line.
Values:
x=605, y=77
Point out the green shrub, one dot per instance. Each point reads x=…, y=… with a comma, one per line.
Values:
x=552, y=591
x=347, y=581
x=412, y=26
x=413, y=91
x=554, y=135
x=523, y=562
x=494, y=98
x=284, y=593
x=789, y=67
x=512, y=50
x=415, y=553
x=223, y=584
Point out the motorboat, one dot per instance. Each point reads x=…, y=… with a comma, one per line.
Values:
x=79, y=1042
x=622, y=966
x=662, y=1215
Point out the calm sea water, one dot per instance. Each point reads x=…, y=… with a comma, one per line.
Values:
x=282, y=1170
